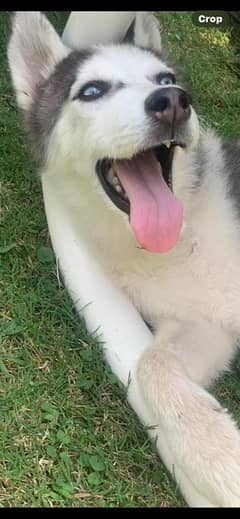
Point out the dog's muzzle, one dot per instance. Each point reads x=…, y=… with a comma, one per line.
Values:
x=141, y=185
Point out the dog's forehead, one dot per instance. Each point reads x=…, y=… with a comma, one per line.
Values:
x=121, y=62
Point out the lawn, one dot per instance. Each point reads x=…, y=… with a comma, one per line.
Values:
x=68, y=437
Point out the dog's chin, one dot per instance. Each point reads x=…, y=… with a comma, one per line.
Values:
x=111, y=183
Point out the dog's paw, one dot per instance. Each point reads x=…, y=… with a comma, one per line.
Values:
x=207, y=450
x=197, y=439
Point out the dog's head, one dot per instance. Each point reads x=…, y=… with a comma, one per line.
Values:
x=113, y=112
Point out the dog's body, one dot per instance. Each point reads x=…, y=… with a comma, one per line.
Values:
x=186, y=284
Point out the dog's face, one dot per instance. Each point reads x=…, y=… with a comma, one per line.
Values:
x=114, y=113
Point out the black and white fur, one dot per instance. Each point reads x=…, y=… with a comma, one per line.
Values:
x=191, y=294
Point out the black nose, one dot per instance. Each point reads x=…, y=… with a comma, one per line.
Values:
x=170, y=104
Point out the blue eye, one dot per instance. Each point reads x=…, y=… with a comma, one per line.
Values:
x=93, y=90
x=166, y=79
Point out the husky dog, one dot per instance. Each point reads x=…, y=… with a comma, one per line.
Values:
x=143, y=212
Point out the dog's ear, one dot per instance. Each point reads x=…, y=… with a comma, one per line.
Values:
x=144, y=31
x=33, y=51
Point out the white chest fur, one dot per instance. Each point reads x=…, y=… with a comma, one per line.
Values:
x=199, y=279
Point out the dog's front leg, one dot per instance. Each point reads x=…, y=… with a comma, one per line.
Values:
x=201, y=437
x=105, y=308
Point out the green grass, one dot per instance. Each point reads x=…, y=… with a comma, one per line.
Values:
x=68, y=438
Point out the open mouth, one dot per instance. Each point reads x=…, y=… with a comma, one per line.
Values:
x=142, y=188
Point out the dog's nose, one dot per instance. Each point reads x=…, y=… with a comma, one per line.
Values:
x=170, y=104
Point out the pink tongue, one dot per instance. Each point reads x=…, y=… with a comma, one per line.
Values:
x=156, y=215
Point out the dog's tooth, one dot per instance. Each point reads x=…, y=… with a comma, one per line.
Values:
x=110, y=174
x=112, y=178
x=116, y=181
x=167, y=143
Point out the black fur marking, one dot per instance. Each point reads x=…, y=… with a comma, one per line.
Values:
x=231, y=151
x=129, y=36
x=199, y=167
x=150, y=326
x=49, y=99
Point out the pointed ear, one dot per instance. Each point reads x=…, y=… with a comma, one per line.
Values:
x=33, y=51
x=144, y=31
